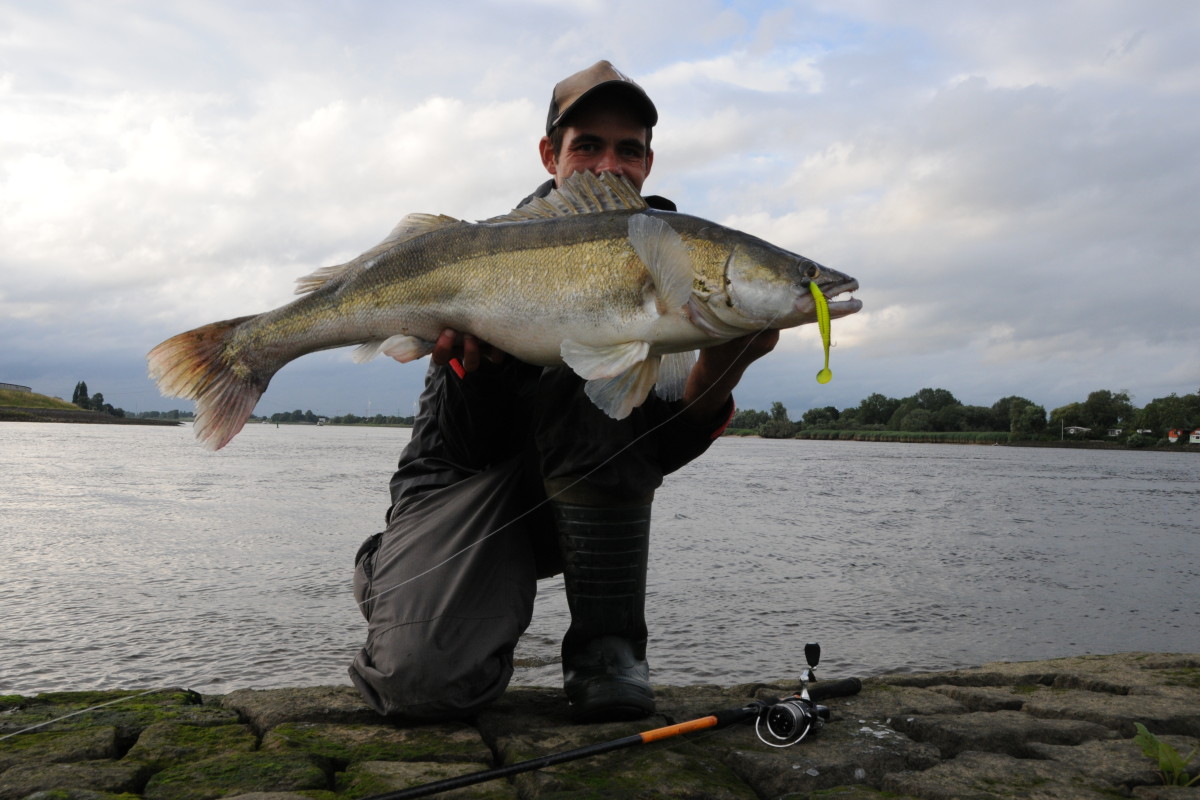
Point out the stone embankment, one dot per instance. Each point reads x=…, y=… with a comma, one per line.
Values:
x=1049, y=729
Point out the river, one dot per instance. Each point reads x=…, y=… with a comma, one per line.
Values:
x=130, y=557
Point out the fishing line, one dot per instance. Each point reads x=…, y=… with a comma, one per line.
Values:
x=579, y=480
x=457, y=554
x=112, y=702
x=468, y=547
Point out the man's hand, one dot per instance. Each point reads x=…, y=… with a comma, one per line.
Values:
x=717, y=372
x=468, y=349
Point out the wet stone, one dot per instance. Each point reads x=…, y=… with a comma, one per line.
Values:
x=956, y=734
x=994, y=776
x=128, y=712
x=59, y=746
x=266, y=708
x=375, y=777
x=21, y=780
x=237, y=773
x=167, y=743
x=1008, y=732
x=345, y=744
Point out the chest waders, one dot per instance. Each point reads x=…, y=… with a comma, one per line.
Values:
x=605, y=550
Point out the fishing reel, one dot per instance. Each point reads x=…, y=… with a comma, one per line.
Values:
x=786, y=722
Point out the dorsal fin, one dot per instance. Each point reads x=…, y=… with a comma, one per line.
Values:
x=410, y=227
x=581, y=193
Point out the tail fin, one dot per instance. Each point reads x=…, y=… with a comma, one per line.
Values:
x=194, y=365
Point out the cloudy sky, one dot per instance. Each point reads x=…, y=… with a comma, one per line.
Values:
x=1015, y=185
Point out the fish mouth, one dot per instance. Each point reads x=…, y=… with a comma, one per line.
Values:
x=837, y=308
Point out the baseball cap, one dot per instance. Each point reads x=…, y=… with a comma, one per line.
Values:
x=601, y=76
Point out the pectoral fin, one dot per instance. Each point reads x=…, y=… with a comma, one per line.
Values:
x=401, y=347
x=620, y=395
x=666, y=258
x=591, y=362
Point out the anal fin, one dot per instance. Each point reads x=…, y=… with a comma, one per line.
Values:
x=619, y=395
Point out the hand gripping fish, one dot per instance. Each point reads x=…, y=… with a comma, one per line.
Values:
x=589, y=276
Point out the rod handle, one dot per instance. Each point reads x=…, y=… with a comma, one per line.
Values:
x=842, y=688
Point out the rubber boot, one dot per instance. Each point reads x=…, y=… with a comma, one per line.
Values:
x=605, y=550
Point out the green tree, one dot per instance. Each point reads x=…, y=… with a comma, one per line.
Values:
x=1018, y=415
x=1104, y=409
x=935, y=399
x=820, y=417
x=877, y=409
x=1068, y=415
x=917, y=419
x=749, y=418
x=896, y=420
x=1172, y=412
x=779, y=426
x=80, y=397
x=948, y=418
x=1028, y=419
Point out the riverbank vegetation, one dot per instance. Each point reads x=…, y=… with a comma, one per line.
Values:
x=1103, y=418
x=936, y=415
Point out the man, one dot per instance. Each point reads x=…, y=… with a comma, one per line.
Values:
x=512, y=474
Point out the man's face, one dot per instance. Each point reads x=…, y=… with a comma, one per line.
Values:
x=601, y=138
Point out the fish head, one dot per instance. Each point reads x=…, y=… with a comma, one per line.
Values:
x=764, y=286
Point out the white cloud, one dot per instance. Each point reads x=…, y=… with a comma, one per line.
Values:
x=1014, y=186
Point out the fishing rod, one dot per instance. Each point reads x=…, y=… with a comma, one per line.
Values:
x=780, y=722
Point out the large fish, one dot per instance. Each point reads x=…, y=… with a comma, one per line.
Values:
x=589, y=277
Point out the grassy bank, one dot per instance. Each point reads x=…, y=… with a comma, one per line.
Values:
x=12, y=398
x=33, y=407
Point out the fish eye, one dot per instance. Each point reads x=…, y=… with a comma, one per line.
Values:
x=812, y=272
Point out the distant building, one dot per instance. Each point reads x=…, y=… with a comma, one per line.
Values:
x=12, y=387
x=1075, y=430
x=1176, y=435
x=1115, y=431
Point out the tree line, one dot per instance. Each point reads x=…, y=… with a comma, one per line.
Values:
x=938, y=410
x=94, y=402
x=928, y=410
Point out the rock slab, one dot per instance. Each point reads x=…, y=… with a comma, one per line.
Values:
x=1061, y=729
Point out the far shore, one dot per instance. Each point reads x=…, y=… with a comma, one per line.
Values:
x=21, y=414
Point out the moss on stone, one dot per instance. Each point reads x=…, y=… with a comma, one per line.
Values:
x=350, y=743
x=59, y=746
x=129, y=712
x=1185, y=676
x=165, y=743
x=237, y=773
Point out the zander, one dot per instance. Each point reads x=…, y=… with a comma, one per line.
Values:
x=589, y=276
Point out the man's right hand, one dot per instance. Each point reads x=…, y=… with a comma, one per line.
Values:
x=469, y=350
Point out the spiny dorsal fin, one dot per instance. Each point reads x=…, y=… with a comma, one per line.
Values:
x=581, y=193
x=410, y=227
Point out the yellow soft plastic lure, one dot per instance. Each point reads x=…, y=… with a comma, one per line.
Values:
x=824, y=376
